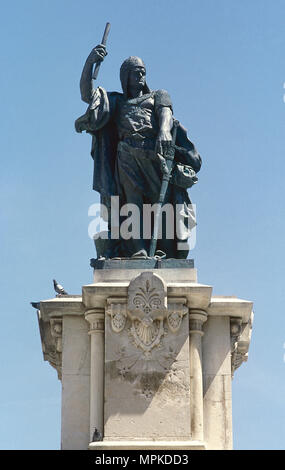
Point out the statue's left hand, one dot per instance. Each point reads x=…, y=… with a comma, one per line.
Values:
x=163, y=141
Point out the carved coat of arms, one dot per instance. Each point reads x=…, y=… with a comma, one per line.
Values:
x=147, y=308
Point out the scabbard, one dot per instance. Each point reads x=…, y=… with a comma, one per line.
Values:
x=164, y=185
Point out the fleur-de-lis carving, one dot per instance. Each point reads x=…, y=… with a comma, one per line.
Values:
x=147, y=307
x=147, y=299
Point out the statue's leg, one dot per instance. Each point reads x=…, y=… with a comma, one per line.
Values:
x=131, y=183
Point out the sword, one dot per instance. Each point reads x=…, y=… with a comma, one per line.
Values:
x=104, y=41
x=167, y=164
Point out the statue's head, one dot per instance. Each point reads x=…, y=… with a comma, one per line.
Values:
x=133, y=68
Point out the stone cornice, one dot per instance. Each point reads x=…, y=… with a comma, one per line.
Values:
x=50, y=318
x=198, y=295
x=231, y=307
x=60, y=306
x=94, y=296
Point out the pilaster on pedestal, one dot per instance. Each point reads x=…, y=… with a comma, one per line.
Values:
x=197, y=318
x=96, y=319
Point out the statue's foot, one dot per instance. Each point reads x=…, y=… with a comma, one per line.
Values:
x=160, y=254
x=141, y=254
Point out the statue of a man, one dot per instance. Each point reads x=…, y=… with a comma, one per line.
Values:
x=131, y=133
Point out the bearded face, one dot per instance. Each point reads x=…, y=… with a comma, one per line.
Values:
x=132, y=74
x=136, y=78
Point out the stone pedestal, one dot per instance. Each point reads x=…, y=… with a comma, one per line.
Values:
x=146, y=357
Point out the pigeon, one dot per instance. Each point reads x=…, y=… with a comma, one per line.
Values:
x=58, y=288
x=35, y=305
x=97, y=436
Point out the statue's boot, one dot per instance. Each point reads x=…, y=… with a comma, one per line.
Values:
x=160, y=254
x=141, y=254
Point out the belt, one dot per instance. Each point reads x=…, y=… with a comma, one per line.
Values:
x=147, y=144
x=124, y=149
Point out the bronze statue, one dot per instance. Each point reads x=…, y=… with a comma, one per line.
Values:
x=132, y=140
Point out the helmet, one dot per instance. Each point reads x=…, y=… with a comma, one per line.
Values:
x=126, y=66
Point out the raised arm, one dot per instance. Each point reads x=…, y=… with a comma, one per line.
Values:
x=86, y=86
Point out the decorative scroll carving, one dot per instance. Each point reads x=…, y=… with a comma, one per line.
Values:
x=51, y=338
x=56, y=332
x=240, y=340
x=176, y=312
x=118, y=314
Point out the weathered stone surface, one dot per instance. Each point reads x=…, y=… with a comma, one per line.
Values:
x=142, y=264
x=217, y=383
x=75, y=383
x=147, y=445
x=162, y=387
x=147, y=392
x=168, y=274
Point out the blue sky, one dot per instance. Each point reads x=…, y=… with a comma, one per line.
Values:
x=223, y=65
